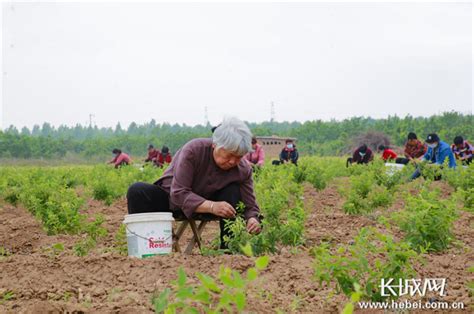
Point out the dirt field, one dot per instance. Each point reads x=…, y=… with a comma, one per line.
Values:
x=105, y=281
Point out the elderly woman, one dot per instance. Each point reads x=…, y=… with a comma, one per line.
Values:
x=206, y=176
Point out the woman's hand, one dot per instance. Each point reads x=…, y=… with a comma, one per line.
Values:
x=223, y=209
x=253, y=226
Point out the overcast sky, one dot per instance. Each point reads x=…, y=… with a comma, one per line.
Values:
x=134, y=62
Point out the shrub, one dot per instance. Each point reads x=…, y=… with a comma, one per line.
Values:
x=279, y=198
x=225, y=292
x=365, y=195
x=373, y=256
x=427, y=221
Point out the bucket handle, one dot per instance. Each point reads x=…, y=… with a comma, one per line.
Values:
x=141, y=237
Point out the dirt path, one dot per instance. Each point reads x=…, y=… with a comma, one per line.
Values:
x=108, y=282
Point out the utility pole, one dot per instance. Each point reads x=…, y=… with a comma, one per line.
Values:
x=272, y=112
x=206, y=117
x=90, y=120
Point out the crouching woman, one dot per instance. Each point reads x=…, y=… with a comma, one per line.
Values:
x=205, y=176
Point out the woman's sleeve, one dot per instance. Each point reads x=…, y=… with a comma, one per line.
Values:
x=355, y=156
x=424, y=148
x=447, y=153
x=181, y=193
x=261, y=157
x=406, y=152
x=113, y=160
x=470, y=148
x=247, y=157
x=119, y=159
x=427, y=155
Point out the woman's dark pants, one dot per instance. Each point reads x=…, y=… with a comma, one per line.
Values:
x=148, y=198
x=402, y=161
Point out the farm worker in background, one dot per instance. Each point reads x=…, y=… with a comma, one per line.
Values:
x=414, y=150
x=438, y=152
x=362, y=155
x=387, y=153
x=120, y=158
x=164, y=157
x=206, y=176
x=462, y=150
x=289, y=153
x=153, y=154
x=256, y=158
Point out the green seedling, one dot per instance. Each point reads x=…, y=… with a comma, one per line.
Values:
x=224, y=292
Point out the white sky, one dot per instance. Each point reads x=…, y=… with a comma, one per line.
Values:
x=134, y=62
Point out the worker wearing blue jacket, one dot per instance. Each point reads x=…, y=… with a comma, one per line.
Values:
x=438, y=152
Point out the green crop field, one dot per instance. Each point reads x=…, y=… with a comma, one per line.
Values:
x=342, y=230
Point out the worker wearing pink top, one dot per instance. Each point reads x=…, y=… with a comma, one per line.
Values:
x=257, y=156
x=120, y=158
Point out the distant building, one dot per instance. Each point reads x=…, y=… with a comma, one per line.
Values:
x=272, y=145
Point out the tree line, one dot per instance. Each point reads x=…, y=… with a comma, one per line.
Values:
x=322, y=138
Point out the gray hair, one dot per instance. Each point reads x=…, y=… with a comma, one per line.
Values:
x=233, y=135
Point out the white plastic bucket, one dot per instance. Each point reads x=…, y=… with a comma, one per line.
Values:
x=149, y=234
x=392, y=168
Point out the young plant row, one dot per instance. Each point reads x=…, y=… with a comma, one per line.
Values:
x=47, y=194
x=357, y=268
x=50, y=193
x=281, y=205
x=56, y=195
x=462, y=180
x=426, y=221
x=225, y=292
x=319, y=171
x=371, y=257
x=372, y=186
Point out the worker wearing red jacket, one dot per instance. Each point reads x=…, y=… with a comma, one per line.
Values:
x=387, y=153
x=362, y=155
x=120, y=159
x=153, y=154
x=164, y=157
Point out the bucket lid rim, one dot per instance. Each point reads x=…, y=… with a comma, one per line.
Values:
x=144, y=216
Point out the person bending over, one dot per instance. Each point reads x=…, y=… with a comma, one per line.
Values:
x=120, y=159
x=205, y=176
x=438, y=152
x=462, y=150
